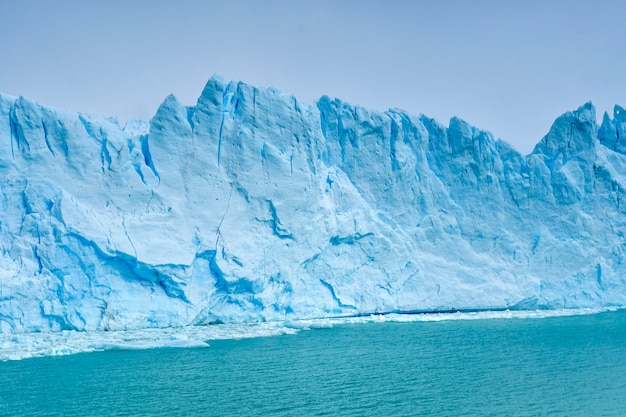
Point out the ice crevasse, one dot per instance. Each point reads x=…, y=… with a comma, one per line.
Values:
x=253, y=206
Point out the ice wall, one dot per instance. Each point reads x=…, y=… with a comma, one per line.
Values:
x=253, y=206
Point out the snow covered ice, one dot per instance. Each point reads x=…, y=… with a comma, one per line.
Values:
x=252, y=206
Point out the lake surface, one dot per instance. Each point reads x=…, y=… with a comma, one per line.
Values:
x=558, y=366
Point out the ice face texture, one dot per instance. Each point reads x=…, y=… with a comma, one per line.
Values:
x=253, y=206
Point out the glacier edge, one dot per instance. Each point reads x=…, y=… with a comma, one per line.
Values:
x=253, y=206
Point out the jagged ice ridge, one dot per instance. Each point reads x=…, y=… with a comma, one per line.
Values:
x=252, y=206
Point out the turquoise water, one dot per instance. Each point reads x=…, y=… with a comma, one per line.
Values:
x=562, y=366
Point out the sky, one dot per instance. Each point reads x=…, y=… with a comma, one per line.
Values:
x=509, y=67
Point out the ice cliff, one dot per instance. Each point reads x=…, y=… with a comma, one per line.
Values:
x=253, y=206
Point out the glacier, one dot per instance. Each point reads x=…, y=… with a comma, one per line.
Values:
x=251, y=206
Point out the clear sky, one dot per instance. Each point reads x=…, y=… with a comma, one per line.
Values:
x=510, y=67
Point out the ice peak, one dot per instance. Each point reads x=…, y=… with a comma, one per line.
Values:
x=172, y=117
x=586, y=113
x=571, y=133
x=212, y=93
x=612, y=133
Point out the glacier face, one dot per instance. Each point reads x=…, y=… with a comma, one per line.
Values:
x=253, y=206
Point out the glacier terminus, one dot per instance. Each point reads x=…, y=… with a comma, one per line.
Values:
x=252, y=206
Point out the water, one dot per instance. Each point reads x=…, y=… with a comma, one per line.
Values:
x=560, y=366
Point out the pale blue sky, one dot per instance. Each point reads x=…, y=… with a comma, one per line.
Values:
x=510, y=67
